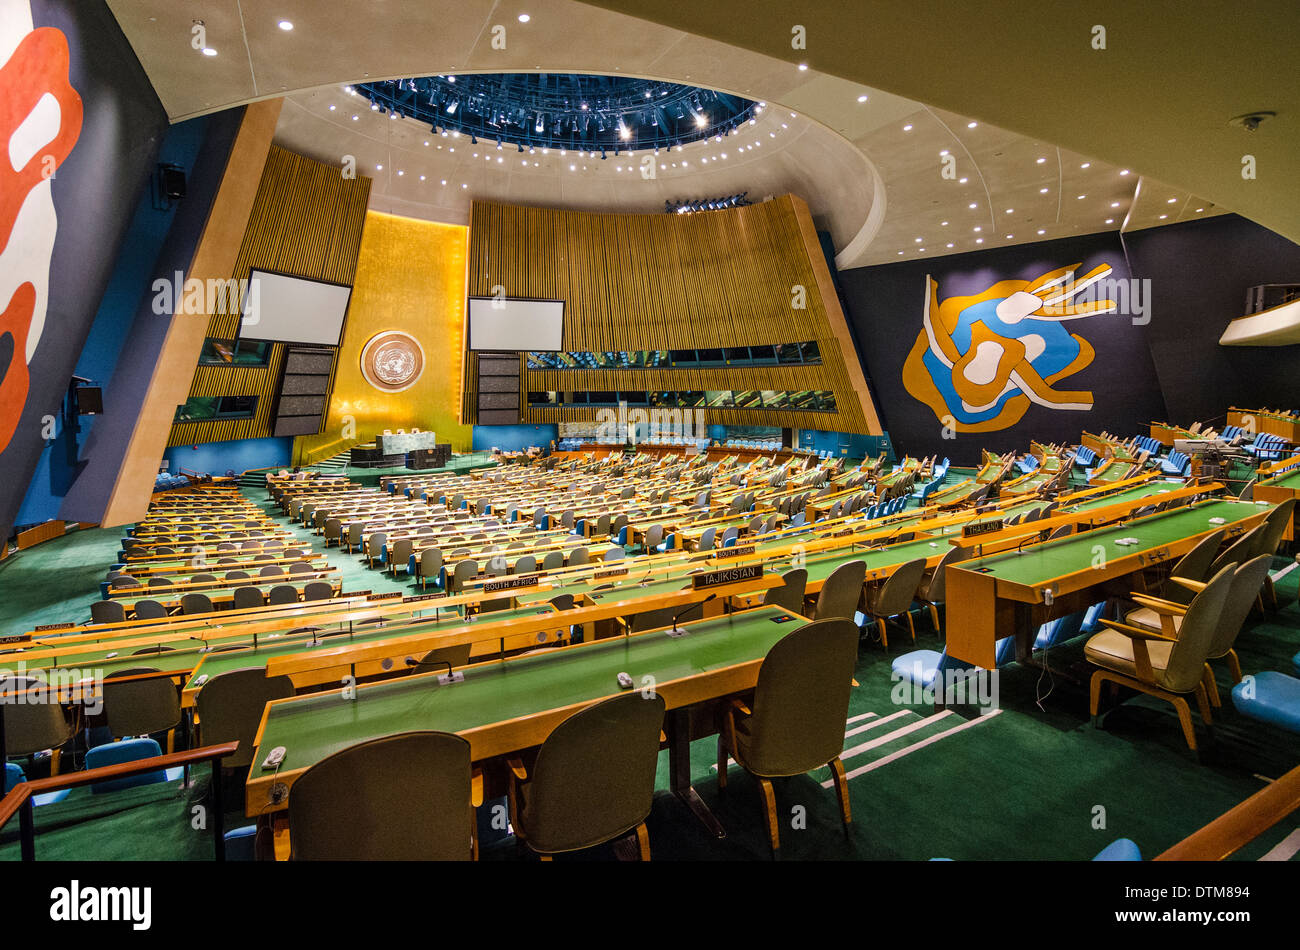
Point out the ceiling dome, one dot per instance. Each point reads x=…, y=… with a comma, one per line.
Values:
x=567, y=111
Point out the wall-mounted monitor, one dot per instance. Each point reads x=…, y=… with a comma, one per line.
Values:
x=293, y=309
x=514, y=324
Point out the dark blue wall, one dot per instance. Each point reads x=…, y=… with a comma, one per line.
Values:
x=217, y=458
x=514, y=438
x=58, y=467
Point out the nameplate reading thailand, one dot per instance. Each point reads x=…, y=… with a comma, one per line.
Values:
x=735, y=552
x=510, y=583
x=730, y=575
x=982, y=527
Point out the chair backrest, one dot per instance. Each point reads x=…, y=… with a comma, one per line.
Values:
x=400, y=551
x=246, y=597
x=595, y=774
x=282, y=594
x=1247, y=580
x=527, y=564
x=271, y=570
x=579, y=556
x=938, y=588
x=317, y=590
x=654, y=535
x=463, y=571
x=1243, y=549
x=401, y=797
x=196, y=604
x=707, y=538
x=840, y=593
x=230, y=708
x=301, y=567
x=802, y=700
x=430, y=562
x=140, y=707
x=553, y=561
x=899, y=590
x=33, y=724
x=1196, y=634
x=1192, y=566
x=1275, y=524
x=789, y=596
x=107, y=611
x=149, y=610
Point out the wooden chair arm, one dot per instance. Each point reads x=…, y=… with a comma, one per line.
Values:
x=1159, y=604
x=476, y=787
x=1141, y=656
x=1136, y=633
x=517, y=769
x=740, y=706
x=1189, y=583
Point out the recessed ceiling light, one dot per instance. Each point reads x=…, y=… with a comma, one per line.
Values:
x=421, y=178
x=1041, y=160
x=862, y=98
x=950, y=244
x=1011, y=211
x=963, y=180
x=524, y=18
x=900, y=253
x=907, y=128
x=1081, y=197
x=1171, y=201
x=1041, y=231
x=943, y=224
x=1010, y=237
x=1199, y=210
x=444, y=181
x=978, y=228
x=1086, y=165
x=803, y=67
x=973, y=205
x=355, y=118
x=1123, y=171
x=918, y=240
x=1042, y=191
x=463, y=185
x=379, y=168
x=944, y=152
x=1110, y=220
x=332, y=107
x=1163, y=216
x=286, y=25
x=979, y=240
x=1114, y=204
x=400, y=172
x=971, y=125
x=209, y=51
x=921, y=249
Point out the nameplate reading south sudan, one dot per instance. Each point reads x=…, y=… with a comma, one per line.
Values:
x=412, y=599
x=981, y=527
x=734, y=552
x=510, y=583
x=386, y=595
x=614, y=572
x=42, y=628
x=730, y=575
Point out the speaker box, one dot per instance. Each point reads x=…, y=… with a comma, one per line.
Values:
x=173, y=181
x=90, y=400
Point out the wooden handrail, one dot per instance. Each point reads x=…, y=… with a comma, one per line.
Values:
x=1241, y=824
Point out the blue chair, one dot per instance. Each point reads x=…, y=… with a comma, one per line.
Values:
x=1121, y=849
x=128, y=750
x=15, y=775
x=924, y=667
x=1060, y=630
x=1270, y=697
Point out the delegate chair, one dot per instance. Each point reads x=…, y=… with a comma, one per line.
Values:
x=32, y=727
x=593, y=779
x=128, y=750
x=841, y=591
x=230, y=708
x=933, y=591
x=282, y=594
x=149, y=610
x=399, y=554
x=1192, y=566
x=107, y=611
x=404, y=797
x=196, y=604
x=142, y=707
x=1165, y=667
x=1240, y=550
x=1275, y=525
x=437, y=659
x=318, y=590
x=430, y=567
x=248, y=597
x=796, y=721
x=464, y=571
x=789, y=596
x=895, y=598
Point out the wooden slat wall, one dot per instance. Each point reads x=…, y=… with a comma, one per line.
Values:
x=307, y=222
x=664, y=281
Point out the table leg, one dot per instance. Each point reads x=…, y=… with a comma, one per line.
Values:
x=679, y=770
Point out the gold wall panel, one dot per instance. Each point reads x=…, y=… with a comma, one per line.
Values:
x=665, y=281
x=410, y=276
x=306, y=221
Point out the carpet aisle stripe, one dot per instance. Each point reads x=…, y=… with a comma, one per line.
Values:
x=862, y=770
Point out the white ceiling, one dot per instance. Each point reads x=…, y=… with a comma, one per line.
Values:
x=871, y=170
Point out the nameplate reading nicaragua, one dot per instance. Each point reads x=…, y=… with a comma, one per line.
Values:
x=509, y=583
x=730, y=575
x=386, y=595
x=415, y=597
x=982, y=527
x=735, y=552
x=613, y=572
x=42, y=628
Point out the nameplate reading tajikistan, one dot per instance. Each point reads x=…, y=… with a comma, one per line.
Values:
x=730, y=575
x=981, y=527
x=509, y=583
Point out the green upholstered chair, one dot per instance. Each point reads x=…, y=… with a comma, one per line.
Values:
x=107, y=611
x=283, y=594
x=230, y=708
x=437, y=660
x=795, y=722
x=895, y=597
x=317, y=590
x=405, y=797
x=1153, y=662
x=248, y=597
x=142, y=707
x=841, y=591
x=196, y=604
x=148, y=610
x=789, y=596
x=593, y=779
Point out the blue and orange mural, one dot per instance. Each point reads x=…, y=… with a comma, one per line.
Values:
x=980, y=360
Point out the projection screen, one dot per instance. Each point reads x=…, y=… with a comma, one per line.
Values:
x=293, y=309
x=513, y=324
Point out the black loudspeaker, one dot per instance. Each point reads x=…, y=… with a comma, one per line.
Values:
x=90, y=401
x=173, y=181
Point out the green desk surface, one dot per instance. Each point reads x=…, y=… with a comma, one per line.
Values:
x=1041, y=563
x=1128, y=494
x=317, y=725
x=1289, y=479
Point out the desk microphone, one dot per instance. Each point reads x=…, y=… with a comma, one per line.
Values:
x=677, y=631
